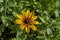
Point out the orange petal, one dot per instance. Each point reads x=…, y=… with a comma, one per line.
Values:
x=33, y=27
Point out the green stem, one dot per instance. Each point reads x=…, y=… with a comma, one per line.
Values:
x=5, y=7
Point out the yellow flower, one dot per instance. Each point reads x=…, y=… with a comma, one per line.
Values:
x=27, y=21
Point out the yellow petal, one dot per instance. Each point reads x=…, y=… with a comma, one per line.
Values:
x=30, y=16
x=33, y=27
x=32, y=13
x=33, y=18
x=27, y=29
x=22, y=26
x=18, y=21
x=19, y=16
x=27, y=13
x=34, y=22
x=23, y=13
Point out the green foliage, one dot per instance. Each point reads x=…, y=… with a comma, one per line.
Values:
x=48, y=12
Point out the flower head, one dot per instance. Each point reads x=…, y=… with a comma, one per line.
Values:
x=27, y=21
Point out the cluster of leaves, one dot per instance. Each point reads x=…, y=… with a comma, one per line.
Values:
x=48, y=15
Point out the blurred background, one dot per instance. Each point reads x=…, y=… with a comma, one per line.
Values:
x=48, y=12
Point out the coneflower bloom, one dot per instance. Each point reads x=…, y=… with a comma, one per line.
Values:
x=27, y=21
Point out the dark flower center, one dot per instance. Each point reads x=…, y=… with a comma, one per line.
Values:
x=26, y=21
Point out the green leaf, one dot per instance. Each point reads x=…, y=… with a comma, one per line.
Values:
x=49, y=31
x=4, y=20
x=1, y=1
x=1, y=9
